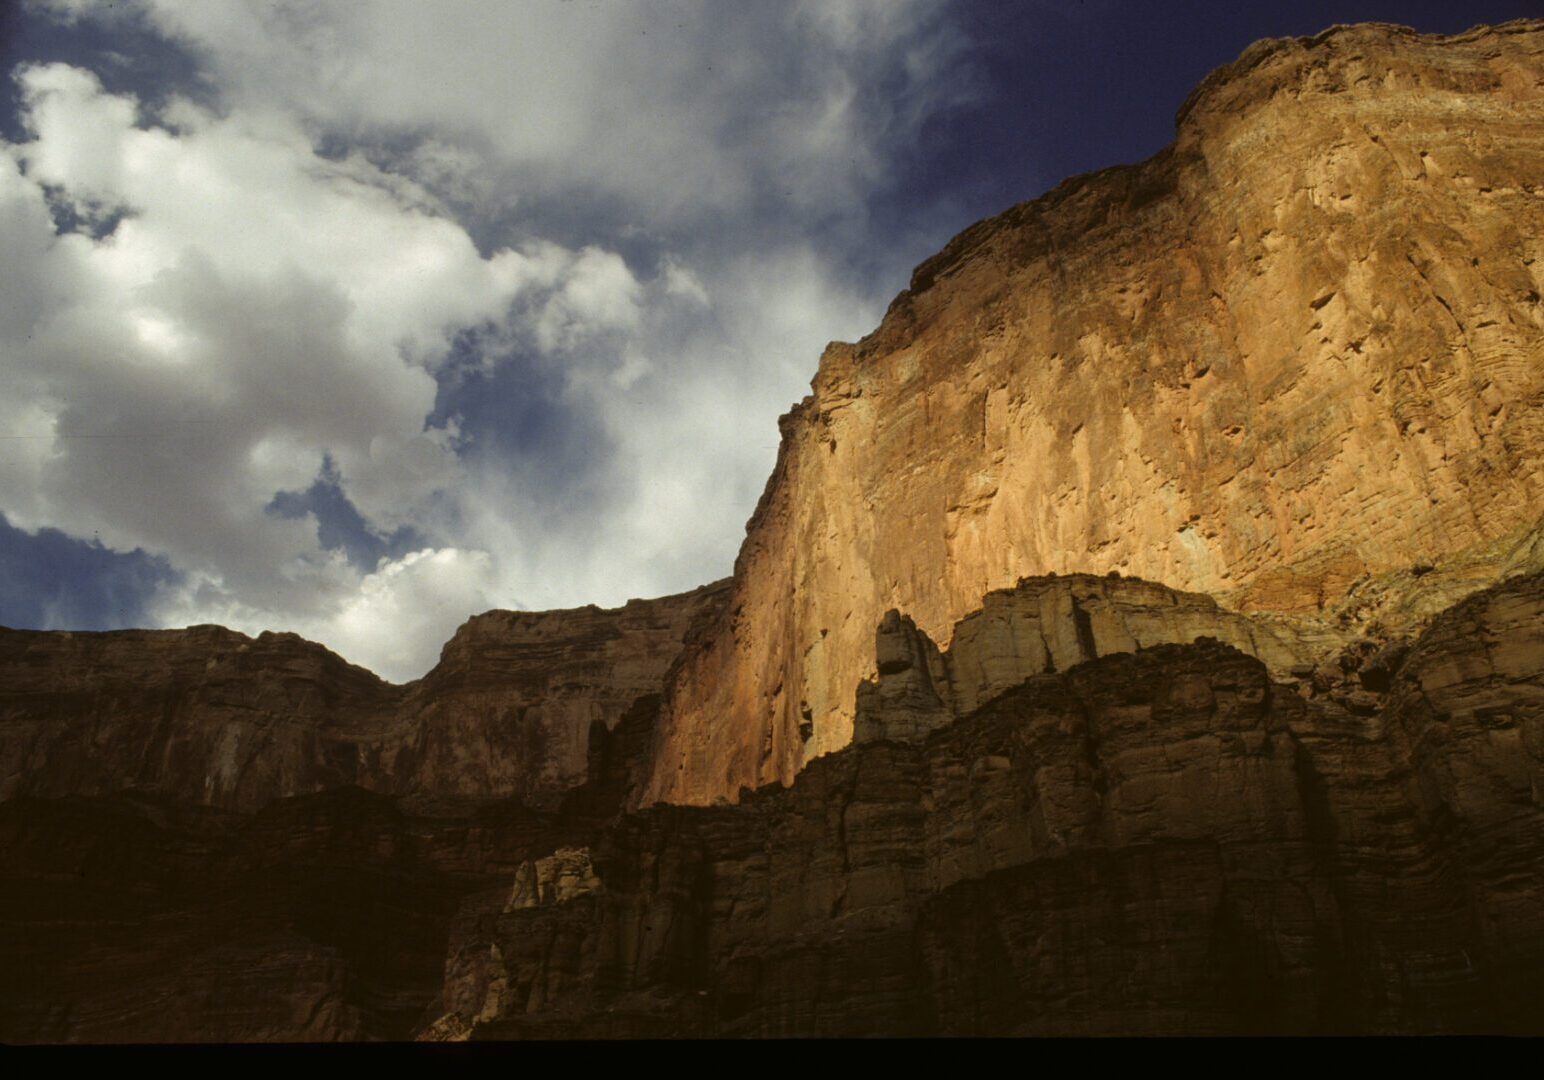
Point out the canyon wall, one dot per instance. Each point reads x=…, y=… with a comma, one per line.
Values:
x=1156, y=842
x=1297, y=351
x=220, y=719
x=1159, y=841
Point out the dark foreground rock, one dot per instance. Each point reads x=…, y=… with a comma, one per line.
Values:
x=1156, y=842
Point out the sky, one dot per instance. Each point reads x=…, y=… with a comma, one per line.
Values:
x=357, y=319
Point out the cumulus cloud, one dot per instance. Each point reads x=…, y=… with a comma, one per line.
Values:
x=398, y=616
x=525, y=286
x=672, y=105
x=255, y=308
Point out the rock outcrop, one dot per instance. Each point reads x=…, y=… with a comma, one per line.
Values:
x=510, y=706
x=1045, y=625
x=1157, y=841
x=320, y=918
x=1161, y=841
x=1295, y=354
x=211, y=716
x=138, y=917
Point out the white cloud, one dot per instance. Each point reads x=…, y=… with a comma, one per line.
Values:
x=258, y=306
x=262, y=304
x=598, y=295
x=394, y=620
x=694, y=438
x=672, y=105
x=680, y=281
x=255, y=295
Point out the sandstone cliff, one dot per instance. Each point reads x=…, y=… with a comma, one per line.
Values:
x=1156, y=841
x=214, y=717
x=1293, y=361
x=1158, y=589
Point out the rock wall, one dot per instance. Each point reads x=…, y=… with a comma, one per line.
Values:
x=509, y=708
x=1045, y=625
x=1297, y=350
x=1154, y=842
x=211, y=716
x=320, y=918
x=1157, y=841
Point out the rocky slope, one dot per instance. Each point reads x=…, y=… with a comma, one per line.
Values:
x=134, y=918
x=1160, y=841
x=1294, y=354
x=211, y=716
x=137, y=917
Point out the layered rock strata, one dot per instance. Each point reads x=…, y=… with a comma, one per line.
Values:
x=1157, y=841
x=1295, y=352
x=214, y=717
x=1153, y=842
x=324, y=917
x=1046, y=625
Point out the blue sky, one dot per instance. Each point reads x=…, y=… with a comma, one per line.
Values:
x=357, y=319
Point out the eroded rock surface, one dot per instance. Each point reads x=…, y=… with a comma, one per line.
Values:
x=1158, y=841
x=1294, y=353
x=1044, y=625
x=510, y=706
x=1154, y=842
x=320, y=918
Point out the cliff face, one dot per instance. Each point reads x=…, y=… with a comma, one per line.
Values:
x=1293, y=356
x=1160, y=589
x=1154, y=842
x=137, y=918
x=510, y=706
x=216, y=718
x=1042, y=626
x=1159, y=841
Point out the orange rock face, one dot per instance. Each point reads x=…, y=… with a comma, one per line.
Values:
x=509, y=708
x=1300, y=348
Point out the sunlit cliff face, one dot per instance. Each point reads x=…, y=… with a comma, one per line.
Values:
x=1287, y=355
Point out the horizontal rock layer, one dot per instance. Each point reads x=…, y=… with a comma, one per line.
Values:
x=1045, y=625
x=323, y=917
x=1295, y=352
x=1160, y=841
x=211, y=716
x=1157, y=842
